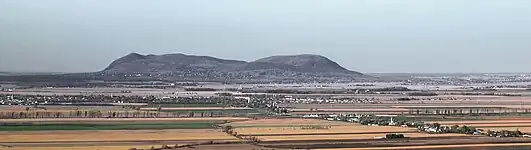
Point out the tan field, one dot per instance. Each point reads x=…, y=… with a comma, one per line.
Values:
x=200, y=108
x=125, y=119
x=438, y=146
x=285, y=122
x=348, y=136
x=354, y=128
x=121, y=135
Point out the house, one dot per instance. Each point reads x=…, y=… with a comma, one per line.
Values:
x=431, y=130
x=353, y=119
x=311, y=116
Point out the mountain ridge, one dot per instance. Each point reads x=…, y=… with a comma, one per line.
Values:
x=182, y=66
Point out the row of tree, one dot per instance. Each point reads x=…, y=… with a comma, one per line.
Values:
x=230, y=130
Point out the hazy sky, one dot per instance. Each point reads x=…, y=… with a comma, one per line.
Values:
x=362, y=35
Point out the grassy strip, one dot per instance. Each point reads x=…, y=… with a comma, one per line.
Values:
x=45, y=127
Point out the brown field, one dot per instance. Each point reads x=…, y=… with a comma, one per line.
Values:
x=200, y=108
x=120, y=135
x=125, y=119
x=348, y=136
x=354, y=128
x=284, y=122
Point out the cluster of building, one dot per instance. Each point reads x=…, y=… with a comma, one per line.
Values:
x=329, y=100
x=432, y=128
x=101, y=100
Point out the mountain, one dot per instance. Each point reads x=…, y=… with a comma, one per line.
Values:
x=306, y=63
x=177, y=67
x=136, y=63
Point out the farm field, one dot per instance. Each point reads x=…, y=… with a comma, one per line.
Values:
x=493, y=121
x=182, y=105
x=230, y=147
x=56, y=108
x=283, y=122
x=502, y=146
x=500, y=125
x=368, y=111
x=206, y=111
x=315, y=130
x=124, y=119
x=335, y=129
x=348, y=136
x=522, y=129
x=315, y=134
x=110, y=133
x=197, y=108
x=111, y=123
x=82, y=147
x=109, y=91
x=104, y=126
x=355, y=110
x=122, y=135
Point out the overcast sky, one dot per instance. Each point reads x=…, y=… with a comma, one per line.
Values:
x=362, y=35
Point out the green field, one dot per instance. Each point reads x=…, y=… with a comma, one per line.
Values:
x=130, y=126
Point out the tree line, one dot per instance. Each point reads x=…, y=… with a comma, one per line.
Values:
x=101, y=114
